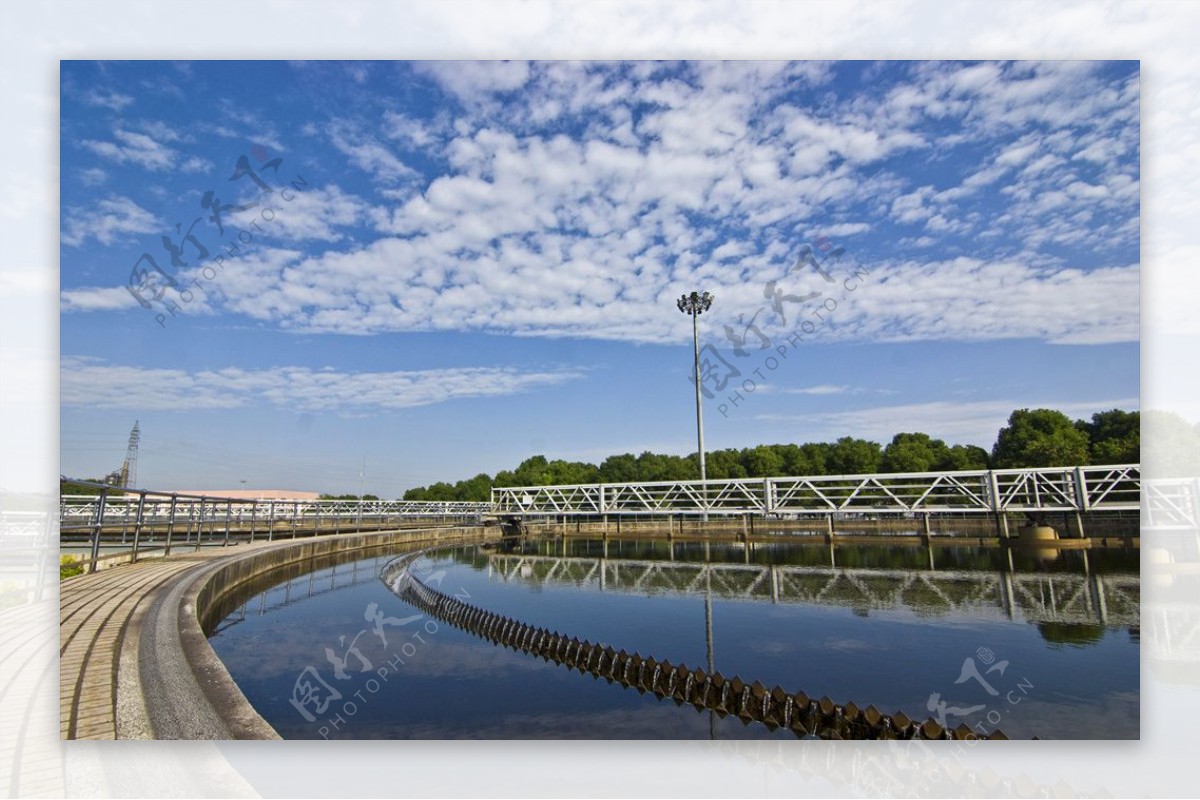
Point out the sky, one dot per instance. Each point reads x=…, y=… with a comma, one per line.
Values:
x=436, y=269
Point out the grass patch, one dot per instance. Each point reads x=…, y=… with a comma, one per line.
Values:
x=69, y=567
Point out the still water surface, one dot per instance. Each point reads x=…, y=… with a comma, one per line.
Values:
x=1045, y=646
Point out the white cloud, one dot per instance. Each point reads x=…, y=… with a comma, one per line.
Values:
x=975, y=300
x=136, y=148
x=912, y=207
x=110, y=100
x=473, y=80
x=368, y=154
x=841, y=229
x=956, y=423
x=196, y=164
x=95, y=383
x=822, y=389
x=119, y=298
x=106, y=222
x=93, y=176
x=312, y=214
x=106, y=298
x=415, y=132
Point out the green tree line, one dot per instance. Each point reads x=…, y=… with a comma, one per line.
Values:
x=1039, y=437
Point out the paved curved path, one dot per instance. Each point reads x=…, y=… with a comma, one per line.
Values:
x=95, y=614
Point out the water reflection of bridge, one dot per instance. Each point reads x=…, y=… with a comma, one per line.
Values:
x=314, y=583
x=1112, y=599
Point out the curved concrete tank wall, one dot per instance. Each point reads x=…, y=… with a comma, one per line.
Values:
x=184, y=690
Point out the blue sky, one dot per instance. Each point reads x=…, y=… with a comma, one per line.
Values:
x=480, y=260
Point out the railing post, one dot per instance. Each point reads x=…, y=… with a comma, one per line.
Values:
x=993, y=486
x=994, y=491
x=200, y=526
x=270, y=520
x=228, y=515
x=1081, y=492
x=170, y=524
x=253, y=519
x=137, y=526
x=97, y=524
x=295, y=516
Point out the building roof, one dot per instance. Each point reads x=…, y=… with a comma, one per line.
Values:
x=253, y=494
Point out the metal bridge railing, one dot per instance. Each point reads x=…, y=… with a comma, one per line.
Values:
x=1172, y=504
x=1095, y=488
x=127, y=523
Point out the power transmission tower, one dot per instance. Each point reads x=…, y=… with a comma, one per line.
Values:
x=128, y=479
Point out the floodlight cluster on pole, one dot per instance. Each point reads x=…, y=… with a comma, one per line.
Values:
x=695, y=304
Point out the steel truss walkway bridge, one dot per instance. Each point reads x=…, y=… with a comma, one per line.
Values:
x=1034, y=597
x=1065, y=489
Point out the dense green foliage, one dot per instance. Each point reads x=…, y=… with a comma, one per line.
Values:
x=1172, y=446
x=70, y=487
x=1040, y=438
x=1033, y=438
x=1114, y=437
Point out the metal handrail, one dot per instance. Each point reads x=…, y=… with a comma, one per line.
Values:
x=158, y=518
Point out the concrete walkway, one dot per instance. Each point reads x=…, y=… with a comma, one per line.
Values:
x=95, y=614
x=134, y=661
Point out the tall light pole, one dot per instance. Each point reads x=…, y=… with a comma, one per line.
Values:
x=696, y=304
